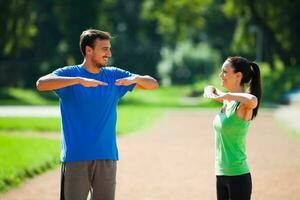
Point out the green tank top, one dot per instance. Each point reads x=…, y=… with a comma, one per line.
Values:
x=230, y=142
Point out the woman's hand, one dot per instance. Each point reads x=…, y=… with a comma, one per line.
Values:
x=211, y=92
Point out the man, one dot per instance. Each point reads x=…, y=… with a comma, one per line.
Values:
x=89, y=94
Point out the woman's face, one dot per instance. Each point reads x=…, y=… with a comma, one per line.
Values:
x=229, y=79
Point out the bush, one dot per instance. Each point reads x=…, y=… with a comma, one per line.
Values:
x=277, y=81
x=187, y=63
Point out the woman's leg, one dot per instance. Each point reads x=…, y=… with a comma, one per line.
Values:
x=240, y=187
x=222, y=189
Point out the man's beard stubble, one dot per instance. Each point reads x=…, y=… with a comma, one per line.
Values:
x=98, y=64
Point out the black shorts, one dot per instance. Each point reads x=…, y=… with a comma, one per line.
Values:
x=234, y=187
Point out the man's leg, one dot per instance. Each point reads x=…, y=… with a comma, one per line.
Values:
x=75, y=183
x=104, y=180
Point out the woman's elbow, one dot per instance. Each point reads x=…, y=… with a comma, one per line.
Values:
x=253, y=102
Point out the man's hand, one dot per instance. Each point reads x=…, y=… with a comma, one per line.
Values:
x=126, y=81
x=87, y=82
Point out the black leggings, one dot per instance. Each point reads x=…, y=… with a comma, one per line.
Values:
x=234, y=187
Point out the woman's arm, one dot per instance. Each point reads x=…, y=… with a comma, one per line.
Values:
x=211, y=92
x=247, y=100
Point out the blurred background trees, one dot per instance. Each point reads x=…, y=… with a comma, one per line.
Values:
x=178, y=42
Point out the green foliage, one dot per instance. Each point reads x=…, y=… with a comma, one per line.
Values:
x=49, y=37
x=187, y=63
x=16, y=32
x=24, y=157
x=136, y=44
x=37, y=37
x=18, y=23
x=219, y=29
x=268, y=24
x=177, y=20
x=277, y=81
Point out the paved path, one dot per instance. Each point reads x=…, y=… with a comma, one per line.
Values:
x=289, y=116
x=32, y=111
x=174, y=161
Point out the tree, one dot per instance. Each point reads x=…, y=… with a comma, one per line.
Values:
x=17, y=30
x=277, y=20
x=136, y=45
x=177, y=20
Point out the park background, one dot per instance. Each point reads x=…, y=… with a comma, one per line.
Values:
x=181, y=43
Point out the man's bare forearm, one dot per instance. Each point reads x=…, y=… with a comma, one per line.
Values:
x=52, y=82
x=146, y=82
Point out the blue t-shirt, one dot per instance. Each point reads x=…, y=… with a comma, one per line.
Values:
x=89, y=114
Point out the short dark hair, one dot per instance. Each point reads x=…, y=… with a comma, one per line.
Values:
x=88, y=37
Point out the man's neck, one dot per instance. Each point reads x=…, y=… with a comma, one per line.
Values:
x=91, y=67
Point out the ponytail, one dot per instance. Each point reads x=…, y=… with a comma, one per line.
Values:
x=255, y=86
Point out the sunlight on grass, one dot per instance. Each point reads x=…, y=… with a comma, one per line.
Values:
x=23, y=157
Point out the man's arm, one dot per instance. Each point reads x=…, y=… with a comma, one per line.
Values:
x=142, y=82
x=53, y=82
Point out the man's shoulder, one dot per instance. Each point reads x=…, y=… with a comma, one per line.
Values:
x=116, y=70
x=70, y=67
x=67, y=69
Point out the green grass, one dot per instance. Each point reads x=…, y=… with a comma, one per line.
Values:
x=130, y=118
x=23, y=157
x=174, y=96
x=17, y=96
x=49, y=124
x=168, y=97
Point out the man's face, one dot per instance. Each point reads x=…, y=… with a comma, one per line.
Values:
x=101, y=52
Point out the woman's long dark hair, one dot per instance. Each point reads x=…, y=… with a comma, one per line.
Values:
x=251, y=76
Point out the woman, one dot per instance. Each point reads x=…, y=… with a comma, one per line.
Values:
x=240, y=105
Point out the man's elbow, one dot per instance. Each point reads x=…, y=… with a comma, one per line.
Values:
x=40, y=86
x=155, y=85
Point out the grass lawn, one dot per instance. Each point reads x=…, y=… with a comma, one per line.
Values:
x=168, y=97
x=23, y=157
x=17, y=96
x=37, y=124
x=130, y=118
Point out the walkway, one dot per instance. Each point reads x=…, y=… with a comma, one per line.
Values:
x=174, y=161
